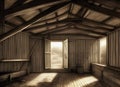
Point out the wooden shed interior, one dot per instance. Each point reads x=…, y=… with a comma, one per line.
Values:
x=60, y=43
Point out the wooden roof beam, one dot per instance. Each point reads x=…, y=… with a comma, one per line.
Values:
x=10, y=24
x=93, y=28
x=32, y=21
x=17, y=3
x=80, y=34
x=90, y=31
x=70, y=20
x=49, y=24
x=21, y=19
x=54, y=29
x=82, y=12
x=92, y=21
x=67, y=26
x=94, y=7
x=109, y=3
x=35, y=4
x=77, y=28
x=41, y=21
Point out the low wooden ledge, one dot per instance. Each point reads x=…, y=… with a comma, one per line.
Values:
x=102, y=65
x=14, y=60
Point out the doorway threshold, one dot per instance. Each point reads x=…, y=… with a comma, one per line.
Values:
x=57, y=70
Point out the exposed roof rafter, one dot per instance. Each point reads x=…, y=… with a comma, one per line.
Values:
x=92, y=21
x=70, y=20
x=54, y=29
x=80, y=34
x=41, y=21
x=90, y=31
x=110, y=3
x=35, y=4
x=94, y=7
x=32, y=21
x=10, y=24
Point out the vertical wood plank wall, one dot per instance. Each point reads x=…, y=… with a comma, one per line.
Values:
x=82, y=52
x=103, y=50
x=16, y=47
x=114, y=49
x=36, y=52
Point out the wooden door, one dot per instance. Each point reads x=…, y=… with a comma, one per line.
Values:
x=47, y=54
x=65, y=53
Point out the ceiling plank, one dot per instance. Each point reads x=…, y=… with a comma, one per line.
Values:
x=10, y=24
x=82, y=12
x=80, y=34
x=54, y=29
x=46, y=25
x=94, y=7
x=109, y=3
x=35, y=4
x=59, y=30
x=93, y=27
x=32, y=21
x=68, y=26
x=41, y=21
x=90, y=31
x=92, y=21
x=70, y=20
x=21, y=19
x=17, y=3
x=107, y=19
x=76, y=28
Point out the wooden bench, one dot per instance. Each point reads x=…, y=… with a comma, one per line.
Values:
x=109, y=75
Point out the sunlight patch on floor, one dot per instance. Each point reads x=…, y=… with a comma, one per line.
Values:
x=84, y=81
x=43, y=77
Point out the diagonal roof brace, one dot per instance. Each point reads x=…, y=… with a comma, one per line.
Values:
x=35, y=4
x=32, y=21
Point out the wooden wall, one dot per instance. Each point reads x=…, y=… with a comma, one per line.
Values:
x=16, y=47
x=103, y=50
x=82, y=52
x=36, y=54
x=114, y=49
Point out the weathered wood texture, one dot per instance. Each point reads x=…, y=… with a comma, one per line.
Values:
x=10, y=76
x=114, y=49
x=109, y=75
x=57, y=80
x=82, y=52
x=97, y=70
x=103, y=50
x=37, y=61
x=16, y=47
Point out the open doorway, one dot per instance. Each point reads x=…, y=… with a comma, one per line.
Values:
x=56, y=54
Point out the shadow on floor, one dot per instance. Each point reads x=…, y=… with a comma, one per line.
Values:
x=57, y=80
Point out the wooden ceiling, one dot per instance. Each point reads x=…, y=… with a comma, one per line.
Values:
x=93, y=18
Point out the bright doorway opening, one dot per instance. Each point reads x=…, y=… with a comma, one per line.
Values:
x=56, y=55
